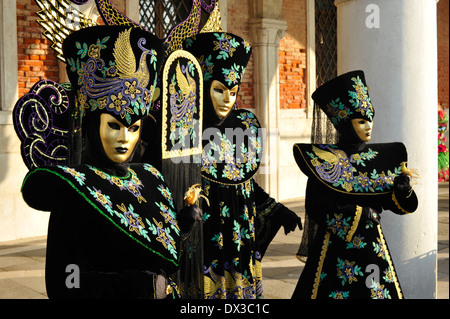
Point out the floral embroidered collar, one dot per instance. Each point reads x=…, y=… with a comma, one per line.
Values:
x=143, y=211
x=232, y=154
x=370, y=171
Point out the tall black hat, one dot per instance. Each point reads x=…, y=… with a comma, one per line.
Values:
x=113, y=69
x=222, y=56
x=344, y=98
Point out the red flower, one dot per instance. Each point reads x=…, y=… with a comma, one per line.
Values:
x=442, y=148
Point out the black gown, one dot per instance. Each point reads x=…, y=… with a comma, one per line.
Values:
x=349, y=256
x=108, y=236
x=241, y=219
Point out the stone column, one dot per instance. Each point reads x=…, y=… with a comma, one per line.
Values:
x=395, y=43
x=266, y=35
x=8, y=55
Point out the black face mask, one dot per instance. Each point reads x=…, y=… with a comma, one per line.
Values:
x=93, y=152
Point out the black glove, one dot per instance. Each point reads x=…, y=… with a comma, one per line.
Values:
x=370, y=214
x=289, y=219
x=188, y=216
x=402, y=183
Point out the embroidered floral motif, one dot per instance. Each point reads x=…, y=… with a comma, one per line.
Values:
x=338, y=111
x=338, y=225
x=389, y=275
x=360, y=100
x=339, y=294
x=154, y=171
x=166, y=193
x=101, y=198
x=94, y=49
x=379, y=248
x=131, y=89
x=224, y=210
x=128, y=219
x=347, y=271
x=207, y=67
x=378, y=291
x=237, y=239
x=247, y=46
x=246, y=188
x=226, y=45
x=334, y=166
x=249, y=120
x=357, y=242
x=222, y=50
x=234, y=161
x=232, y=75
x=218, y=238
x=169, y=216
x=79, y=177
x=132, y=220
x=131, y=183
x=162, y=235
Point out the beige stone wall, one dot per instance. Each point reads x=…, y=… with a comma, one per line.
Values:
x=17, y=220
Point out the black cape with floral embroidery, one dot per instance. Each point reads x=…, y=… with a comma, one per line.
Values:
x=240, y=220
x=349, y=257
x=108, y=236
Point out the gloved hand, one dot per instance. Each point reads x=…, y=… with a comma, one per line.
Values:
x=370, y=214
x=188, y=216
x=289, y=219
x=402, y=183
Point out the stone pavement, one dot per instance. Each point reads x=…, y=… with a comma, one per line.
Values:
x=22, y=262
x=281, y=269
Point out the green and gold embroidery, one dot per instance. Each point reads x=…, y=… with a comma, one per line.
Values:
x=131, y=182
x=348, y=271
x=334, y=166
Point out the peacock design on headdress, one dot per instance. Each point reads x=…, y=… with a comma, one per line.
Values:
x=59, y=19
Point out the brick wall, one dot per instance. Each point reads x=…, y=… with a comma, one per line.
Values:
x=292, y=52
x=292, y=56
x=443, y=58
x=36, y=59
x=238, y=23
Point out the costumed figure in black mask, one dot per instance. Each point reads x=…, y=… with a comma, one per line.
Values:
x=114, y=231
x=349, y=185
x=241, y=219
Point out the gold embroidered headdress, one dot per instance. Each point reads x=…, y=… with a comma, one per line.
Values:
x=113, y=69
